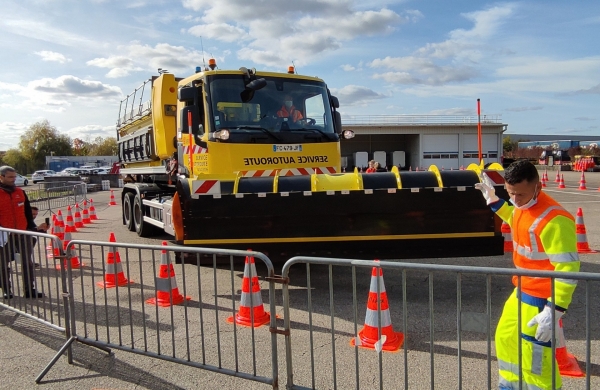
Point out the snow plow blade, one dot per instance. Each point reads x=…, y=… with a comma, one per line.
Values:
x=393, y=216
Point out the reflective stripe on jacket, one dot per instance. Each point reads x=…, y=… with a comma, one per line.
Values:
x=544, y=239
x=12, y=212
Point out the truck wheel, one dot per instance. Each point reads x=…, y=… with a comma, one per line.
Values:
x=128, y=211
x=142, y=228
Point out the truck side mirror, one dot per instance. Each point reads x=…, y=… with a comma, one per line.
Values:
x=187, y=94
x=337, y=122
x=334, y=101
x=197, y=127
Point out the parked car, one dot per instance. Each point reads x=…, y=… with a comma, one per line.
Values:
x=41, y=174
x=21, y=180
x=71, y=171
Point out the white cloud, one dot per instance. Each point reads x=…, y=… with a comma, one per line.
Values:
x=52, y=56
x=137, y=57
x=47, y=33
x=521, y=109
x=220, y=31
x=276, y=34
x=11, y=134
x=449, y=61
x=90, y=131
x=352, y=95
x=71, y=86
x=453, y=111
x=595, y=90
x=347, y=67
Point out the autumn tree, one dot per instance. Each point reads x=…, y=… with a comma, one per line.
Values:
x=103, y=147
x=41, y=140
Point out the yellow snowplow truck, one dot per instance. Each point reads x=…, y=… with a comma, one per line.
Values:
x=246, y=159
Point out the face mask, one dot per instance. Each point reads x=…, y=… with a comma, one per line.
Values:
x=527, y=205
x=289, y=103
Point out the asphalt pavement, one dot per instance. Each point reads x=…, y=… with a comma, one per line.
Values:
x=27, y=346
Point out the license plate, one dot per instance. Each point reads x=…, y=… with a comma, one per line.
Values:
x=287, y=148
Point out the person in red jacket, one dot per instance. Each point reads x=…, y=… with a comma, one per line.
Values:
x=16, y=214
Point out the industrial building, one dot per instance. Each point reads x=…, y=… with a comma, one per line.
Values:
x=411, y=141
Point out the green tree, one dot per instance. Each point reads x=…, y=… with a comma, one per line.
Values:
x=41, y=140
x=15, y=159
x=103, y=147
x=509, y=147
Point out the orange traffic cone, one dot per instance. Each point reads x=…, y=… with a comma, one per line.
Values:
x=251, y=312
x=113, y=270
x=67, y=240
x=70, y=224
x=167, y=293
x=93, y=215
x=78, y=223
x=112, y=199
x=368, y=337
x=561, y=183
x=567, y=363
x=545, y=175
x=72, y=258
x=85, y=215
x=582, y=243
x=557, y=178
x=582, y=182
x=60, y=226
x=52, y=251
x=506, y=233
x=544, y=181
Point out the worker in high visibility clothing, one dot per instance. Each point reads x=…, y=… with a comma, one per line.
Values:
x=544, y=238
x=288, y=111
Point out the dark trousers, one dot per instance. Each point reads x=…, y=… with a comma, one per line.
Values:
x=22, y=244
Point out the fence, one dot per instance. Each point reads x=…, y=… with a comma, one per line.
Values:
x=447, y=337
x=443, y=316
x=54, y=195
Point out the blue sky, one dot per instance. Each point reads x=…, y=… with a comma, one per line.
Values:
x=535, y=63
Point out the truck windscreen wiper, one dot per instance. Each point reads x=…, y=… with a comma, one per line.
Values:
x=266, y=131
x=326, y=135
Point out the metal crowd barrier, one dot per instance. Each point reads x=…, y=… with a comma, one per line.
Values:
x=188, y=333
x=52, y=309
x=447, y=340
x=54, y=195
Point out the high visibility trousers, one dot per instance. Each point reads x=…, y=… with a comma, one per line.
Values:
x=536, y=356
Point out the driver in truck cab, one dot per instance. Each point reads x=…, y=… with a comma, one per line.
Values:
x=289, y=111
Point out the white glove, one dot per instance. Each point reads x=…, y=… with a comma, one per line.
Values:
x=487, y=189
x=544, y=323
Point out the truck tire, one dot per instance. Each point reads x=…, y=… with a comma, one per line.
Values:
x=142, y=229
x=128, y=211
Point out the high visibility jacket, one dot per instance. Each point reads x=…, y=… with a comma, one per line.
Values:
x=292, y=113
x=13, y=211
x=544, y=238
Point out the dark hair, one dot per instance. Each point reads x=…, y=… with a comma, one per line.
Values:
x=35, y=208
x=519, y=171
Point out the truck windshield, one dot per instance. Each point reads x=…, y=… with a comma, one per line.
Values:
x=283, y=105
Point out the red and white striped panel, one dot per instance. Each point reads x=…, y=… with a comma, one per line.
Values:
x=196, y=150
x=206, y=187
x=288, y=172
x=306, y=171
x=260, y=173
